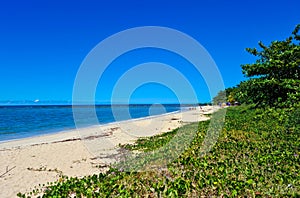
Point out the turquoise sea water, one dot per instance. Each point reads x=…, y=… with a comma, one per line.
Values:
x=31, y=120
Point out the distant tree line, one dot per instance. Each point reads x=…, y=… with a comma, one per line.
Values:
x=274, y=79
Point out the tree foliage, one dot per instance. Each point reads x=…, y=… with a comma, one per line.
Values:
x=220, y=98
x=274, y=77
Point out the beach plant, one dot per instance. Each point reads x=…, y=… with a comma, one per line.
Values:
x=254, y=157
x=150, y=143
x=276, y=72
x=274, y=78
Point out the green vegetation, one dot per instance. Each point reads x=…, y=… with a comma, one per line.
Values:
x=151, y=143
x=275, y=76
x=255, y=156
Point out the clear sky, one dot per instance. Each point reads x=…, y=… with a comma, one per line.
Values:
x=43, y=43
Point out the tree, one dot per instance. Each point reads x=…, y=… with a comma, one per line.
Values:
x=275, y=76
x=220, y=98
x=230, y=94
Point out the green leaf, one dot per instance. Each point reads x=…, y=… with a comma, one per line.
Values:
x=250, y=181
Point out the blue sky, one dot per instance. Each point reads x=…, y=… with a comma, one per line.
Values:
x=43, y=43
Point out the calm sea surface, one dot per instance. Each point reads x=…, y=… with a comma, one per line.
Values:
x=31, y=120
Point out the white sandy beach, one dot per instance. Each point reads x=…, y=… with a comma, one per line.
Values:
x=29, y=162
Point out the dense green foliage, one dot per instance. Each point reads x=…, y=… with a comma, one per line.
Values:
x=257, y=155
x=220, y=98
x=274, y=77
x=227, y=95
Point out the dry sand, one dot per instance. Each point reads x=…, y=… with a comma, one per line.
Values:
x=29, y=162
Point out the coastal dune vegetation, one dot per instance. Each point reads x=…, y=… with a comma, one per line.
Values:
x=256, y=155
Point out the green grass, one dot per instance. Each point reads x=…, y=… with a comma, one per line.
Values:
x=150, y=143
x=256, y=155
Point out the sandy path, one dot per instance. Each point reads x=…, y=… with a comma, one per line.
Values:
x=29, y=162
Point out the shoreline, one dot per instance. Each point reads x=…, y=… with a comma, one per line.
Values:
x=74, y=130
x=26, y=163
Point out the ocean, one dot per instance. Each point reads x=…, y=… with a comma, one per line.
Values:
x=23, y=121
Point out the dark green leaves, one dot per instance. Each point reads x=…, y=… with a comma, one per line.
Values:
x=276, y=72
